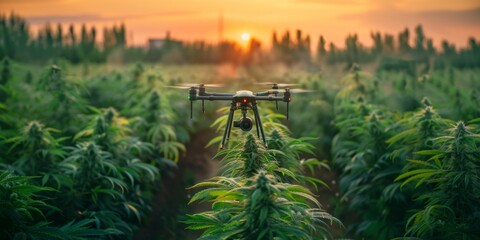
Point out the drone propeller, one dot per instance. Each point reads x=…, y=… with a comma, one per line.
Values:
x=178, y=87
x=195, y=86
x=293, y=90
x=287, y=93
x=277, y=85
x=199, y=85
x=300, y=90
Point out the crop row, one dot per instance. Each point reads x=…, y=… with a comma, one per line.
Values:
x=72, y=168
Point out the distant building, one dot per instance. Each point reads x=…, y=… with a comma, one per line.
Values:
x=156, y=42
x=159, y=43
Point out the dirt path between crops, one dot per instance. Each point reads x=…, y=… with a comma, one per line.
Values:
x=196, y=165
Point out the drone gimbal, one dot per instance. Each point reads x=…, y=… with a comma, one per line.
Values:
x=241, y=100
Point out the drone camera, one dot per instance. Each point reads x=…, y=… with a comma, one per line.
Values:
x=245, y=124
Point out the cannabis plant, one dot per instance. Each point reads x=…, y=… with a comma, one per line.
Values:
x=98, y=188
x=244, y=161
x=259, y=207
x=417, y=131
x=62, y=98
x=107, y=129
x=5, y=76
x=155, y=125
x=22, y=213
x=367, y=170
x=356, y=84
x=36, y=150
x=451, y=172
x=288, y=155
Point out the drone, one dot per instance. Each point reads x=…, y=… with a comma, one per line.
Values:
x=242, y=100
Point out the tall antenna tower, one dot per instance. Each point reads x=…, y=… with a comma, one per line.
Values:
x=220, y=27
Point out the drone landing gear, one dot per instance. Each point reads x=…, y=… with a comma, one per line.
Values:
x=228, y=127
x=258, y=123
x=243, y=107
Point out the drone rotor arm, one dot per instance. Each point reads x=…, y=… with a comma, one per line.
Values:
x=262, y=94
x=268, y=98
x=219, y=94
x=267, y=93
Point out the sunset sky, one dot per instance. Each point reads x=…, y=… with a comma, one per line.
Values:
x=198, y=19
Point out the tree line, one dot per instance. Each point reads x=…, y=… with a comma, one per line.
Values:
x=393, y=52
x=18, y=43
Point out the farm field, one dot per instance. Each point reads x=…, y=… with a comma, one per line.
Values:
x=372, y=156
x=104, y=139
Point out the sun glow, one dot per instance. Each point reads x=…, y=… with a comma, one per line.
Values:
x=245, y=36
x=191, y=20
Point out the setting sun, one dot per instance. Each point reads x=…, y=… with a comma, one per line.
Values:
x=245, y=37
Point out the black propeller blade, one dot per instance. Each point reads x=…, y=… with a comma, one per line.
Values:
x=294, y=90
x=195, y=85
x=300, y=90
x=277, y=85
x=199, y=85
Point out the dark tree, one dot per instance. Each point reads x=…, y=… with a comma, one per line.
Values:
x=377, y=43
x=419, y=40
x=59, y=37
x=404, y=41
x=389, y=44
x=71, y=36
x=321, y=50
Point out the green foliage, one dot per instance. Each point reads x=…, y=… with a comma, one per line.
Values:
x=5, y=76
x=244, y=161
x=156, y=126
x=282, y=158
x=64, y=98
x=103, y=166
x=22, y=214
x=288, y=152
x=420, y=129
x=367, y=166
x=366, y=178
x=107, y=129
x=451, y=171
x=417, y=133
x=38, y=150
x=256, y=198
x=258, y=207
x=19, y=205
x=391, y=194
